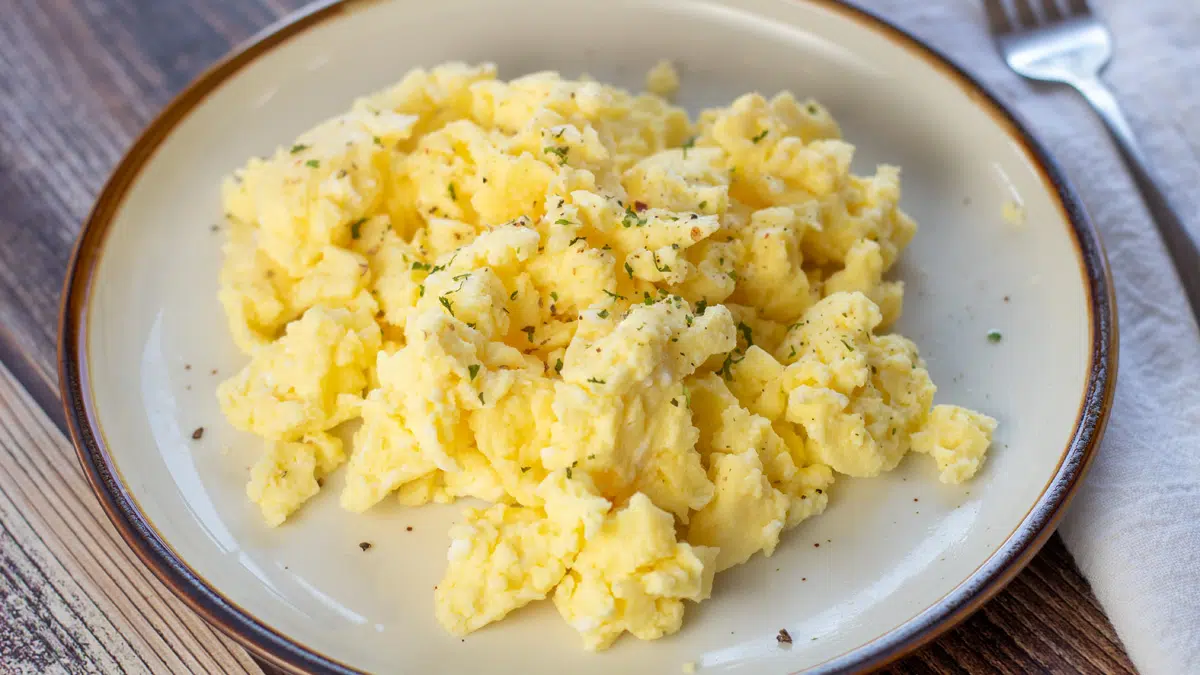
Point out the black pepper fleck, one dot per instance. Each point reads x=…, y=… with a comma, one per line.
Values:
x=784, y=638
x=198, y=433
x=364, y=545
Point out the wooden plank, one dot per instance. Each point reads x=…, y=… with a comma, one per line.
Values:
x=1045, y=621
x=73, y=598
x=77, y=81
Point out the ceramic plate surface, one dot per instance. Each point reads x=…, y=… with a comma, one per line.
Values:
x=894, y=560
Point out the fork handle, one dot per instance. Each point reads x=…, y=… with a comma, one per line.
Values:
x=1180, y=244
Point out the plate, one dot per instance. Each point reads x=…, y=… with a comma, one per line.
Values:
x=891, y=564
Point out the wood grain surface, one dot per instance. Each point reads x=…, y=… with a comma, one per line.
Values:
x=73, y=598
x=78, y=79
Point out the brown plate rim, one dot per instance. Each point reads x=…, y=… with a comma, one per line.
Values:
x=282, y=651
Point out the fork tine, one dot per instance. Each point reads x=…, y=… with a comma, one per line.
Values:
x=1051, y=10
x=997, y=16
x=1025, y=14
x=1078, y=7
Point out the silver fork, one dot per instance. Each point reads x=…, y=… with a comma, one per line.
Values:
x=1065, y=43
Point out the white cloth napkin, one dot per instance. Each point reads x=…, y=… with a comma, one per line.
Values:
x=1134, y=527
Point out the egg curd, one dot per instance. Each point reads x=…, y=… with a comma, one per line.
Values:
x=650, y=343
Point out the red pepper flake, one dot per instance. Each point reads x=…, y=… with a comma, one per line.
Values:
x=639, y=206
x=365, y=545
x=816, y=546
x=784, y=638
x=198, y=433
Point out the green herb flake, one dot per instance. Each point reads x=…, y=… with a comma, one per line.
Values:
x=688, y=145
x=848, y=345
x=560, y=150
x=746, y=333
x=420, y=266
x=356, y=228
x=726, y=367
x=562, y=221
x=700, y=307
x=554, y=296
x=378, y=141
x=595, y=380
x=687, y=396
x=313, y=163
x=481, y=398
x=568, y=472
x=759, y=137
x=299, y=147
x=703, y=205
x=632, y=218
x=576, y=239
x=528, y=330
x=512, y=296
x=473, y=369
x=603, y=314
x=558, y=364
x=675, y=402
x=689, y=320
x=614, y=296
x=793, y=354
x=421, y=291
x=628, y=269
x=646, y=299
x=451, y=191
x=447, y=304
x=994, y=336
x=657, y=266
x=525, y=469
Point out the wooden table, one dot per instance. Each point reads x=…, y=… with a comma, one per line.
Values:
x=78, y=78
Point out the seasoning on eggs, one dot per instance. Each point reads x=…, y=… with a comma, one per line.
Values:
x=650, y=343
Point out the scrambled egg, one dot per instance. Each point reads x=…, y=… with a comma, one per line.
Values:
x=651, y=343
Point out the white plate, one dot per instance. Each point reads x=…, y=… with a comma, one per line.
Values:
x=893, y=562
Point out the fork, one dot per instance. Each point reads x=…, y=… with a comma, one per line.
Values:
x=1069, y=45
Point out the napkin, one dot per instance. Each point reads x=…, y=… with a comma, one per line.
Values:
x=1134, y=526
